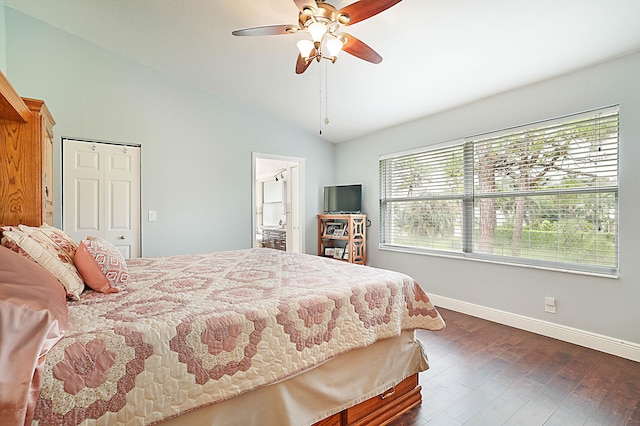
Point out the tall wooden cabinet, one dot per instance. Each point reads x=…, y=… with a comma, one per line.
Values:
x=26, y=159
x=343, y=237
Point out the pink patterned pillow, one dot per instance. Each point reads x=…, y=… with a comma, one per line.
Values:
x=49, y=255
x=52, y=235
x=91, y=272
x=109, y=260
x=9, y=243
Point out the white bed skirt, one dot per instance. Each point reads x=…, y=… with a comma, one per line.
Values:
x=320, y=392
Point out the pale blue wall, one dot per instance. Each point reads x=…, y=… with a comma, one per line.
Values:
x=3, y=37
x=599, y=305
x=196, y=147
x=197, y=158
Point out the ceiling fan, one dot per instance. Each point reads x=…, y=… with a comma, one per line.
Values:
x=323, y=21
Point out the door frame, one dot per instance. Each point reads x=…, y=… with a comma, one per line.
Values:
x=297, y=162
x=96, y=141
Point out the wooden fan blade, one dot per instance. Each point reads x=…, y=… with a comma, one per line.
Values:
x=364, y=9
x=305, y=5
x=268, y=30
x=301, y=64
x=359, y=49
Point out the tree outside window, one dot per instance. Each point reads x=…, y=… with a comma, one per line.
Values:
x=544, y=194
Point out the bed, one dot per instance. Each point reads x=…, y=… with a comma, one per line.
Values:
x=256, y=336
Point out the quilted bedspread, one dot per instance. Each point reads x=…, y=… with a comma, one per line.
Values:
x=192, y=330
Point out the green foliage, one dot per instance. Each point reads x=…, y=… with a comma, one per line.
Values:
x=564, y=243
x=560, y=216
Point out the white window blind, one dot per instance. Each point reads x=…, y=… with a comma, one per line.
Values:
x=544, y=194
x=422, y=198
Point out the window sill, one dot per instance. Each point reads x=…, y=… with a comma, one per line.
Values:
x=477, y=258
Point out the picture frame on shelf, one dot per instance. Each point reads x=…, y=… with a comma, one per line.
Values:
x=345, y=255
x=332, y=229
x=338, y=253
x=339, y=231
x=329, y=251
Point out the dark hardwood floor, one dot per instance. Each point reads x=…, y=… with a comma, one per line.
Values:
x=483, y=373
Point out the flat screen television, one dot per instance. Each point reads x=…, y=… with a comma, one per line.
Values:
x=343, y=199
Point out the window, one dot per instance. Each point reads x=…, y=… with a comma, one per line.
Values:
x=544, y=194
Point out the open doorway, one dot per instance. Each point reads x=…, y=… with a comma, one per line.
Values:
x=277, y=202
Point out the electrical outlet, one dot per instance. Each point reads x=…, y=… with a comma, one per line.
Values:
x=550, y=305
x=152, y=216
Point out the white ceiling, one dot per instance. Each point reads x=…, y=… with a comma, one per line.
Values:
x=437, y=54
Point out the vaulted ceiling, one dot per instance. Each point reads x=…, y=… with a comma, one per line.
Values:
x=436, y=54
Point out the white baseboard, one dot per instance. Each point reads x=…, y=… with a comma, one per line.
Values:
x=584, y=338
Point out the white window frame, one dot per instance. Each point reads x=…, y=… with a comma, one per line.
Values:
x=464, y=248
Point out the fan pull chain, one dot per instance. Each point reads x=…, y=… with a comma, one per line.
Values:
x=326, y=95
x=320, y=98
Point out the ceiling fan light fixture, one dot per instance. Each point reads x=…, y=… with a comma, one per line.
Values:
x=317, y=31
x=334, y=46
x=305, y=47
x=322, y=21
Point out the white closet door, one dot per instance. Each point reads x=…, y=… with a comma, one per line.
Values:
x=101, y=193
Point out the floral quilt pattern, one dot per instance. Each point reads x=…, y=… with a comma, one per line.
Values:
x=196, y=329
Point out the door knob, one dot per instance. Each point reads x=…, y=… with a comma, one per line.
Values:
x=121, y=237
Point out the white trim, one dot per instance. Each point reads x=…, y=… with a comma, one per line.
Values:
x=487, y=259
x=421, y=149
x=599, y=342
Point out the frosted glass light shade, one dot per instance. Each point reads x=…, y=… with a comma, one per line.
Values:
x=305, y=47
x=334, y=46
x=317, y=30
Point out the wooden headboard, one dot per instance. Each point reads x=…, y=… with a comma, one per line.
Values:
x=26, y=159
x=12, y=107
